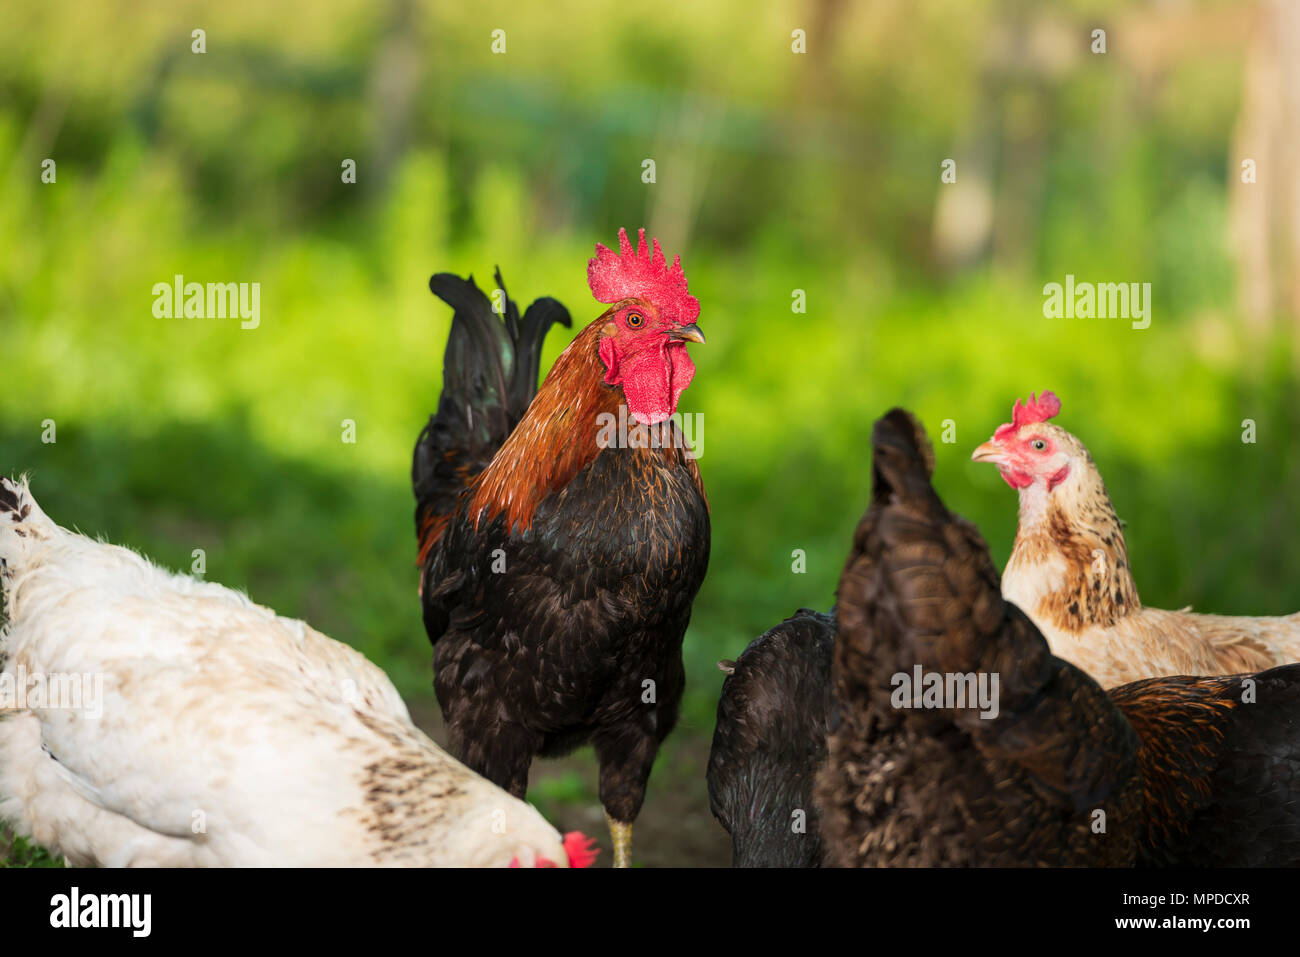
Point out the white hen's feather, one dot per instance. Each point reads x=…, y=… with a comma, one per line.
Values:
x=229, y=735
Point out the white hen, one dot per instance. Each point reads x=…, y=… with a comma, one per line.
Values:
x=225, y=736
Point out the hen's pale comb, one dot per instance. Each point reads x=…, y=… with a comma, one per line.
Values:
x=1035, y=410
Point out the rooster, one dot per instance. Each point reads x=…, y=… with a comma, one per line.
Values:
x=1169, y=771
x=559, y=562
x=1069, y=570
x=214, y=732
x=768, y=742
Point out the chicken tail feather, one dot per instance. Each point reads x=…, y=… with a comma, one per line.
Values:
x=24, y=527
x=490, y=372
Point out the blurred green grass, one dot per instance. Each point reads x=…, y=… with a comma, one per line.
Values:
x=177, y=434
x=16, y=852
x=183, y=434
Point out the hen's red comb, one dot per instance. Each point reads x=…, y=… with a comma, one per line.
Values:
x=1035, y=410
x=642, y=274
x=582, y=850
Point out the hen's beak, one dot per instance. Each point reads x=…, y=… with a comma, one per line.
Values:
x=691, y=333
x=990, y=451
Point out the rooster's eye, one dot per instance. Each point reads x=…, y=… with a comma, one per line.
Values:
x=1039, y=445
x=635, y=319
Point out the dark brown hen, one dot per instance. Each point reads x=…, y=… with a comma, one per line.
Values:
x=945, y=785
x=1169, y=771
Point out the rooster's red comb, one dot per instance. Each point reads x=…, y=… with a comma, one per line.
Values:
x=582, y=850
x=1035, y=410
x=642, y=274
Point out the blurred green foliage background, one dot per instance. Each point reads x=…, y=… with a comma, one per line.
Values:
x=775, y=172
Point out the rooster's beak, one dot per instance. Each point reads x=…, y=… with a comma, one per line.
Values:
x=691, y=333
x=990, y=451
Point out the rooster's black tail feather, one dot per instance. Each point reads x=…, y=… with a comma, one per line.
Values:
x=490, y=372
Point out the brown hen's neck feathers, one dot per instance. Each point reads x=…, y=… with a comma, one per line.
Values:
x=1180, y=723
x=1075, y=523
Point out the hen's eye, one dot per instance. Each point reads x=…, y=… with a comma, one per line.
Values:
x=635, y=319
x=1039, y=445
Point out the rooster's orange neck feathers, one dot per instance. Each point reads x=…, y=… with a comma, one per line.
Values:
x=556, y=438
x=560, y=435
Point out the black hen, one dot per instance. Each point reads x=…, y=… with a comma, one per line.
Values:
x=769, y=740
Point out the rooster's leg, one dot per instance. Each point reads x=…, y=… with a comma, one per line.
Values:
x=626, y=756
x=621, y=832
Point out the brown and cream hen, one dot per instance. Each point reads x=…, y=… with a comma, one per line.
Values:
x=1070, y=571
